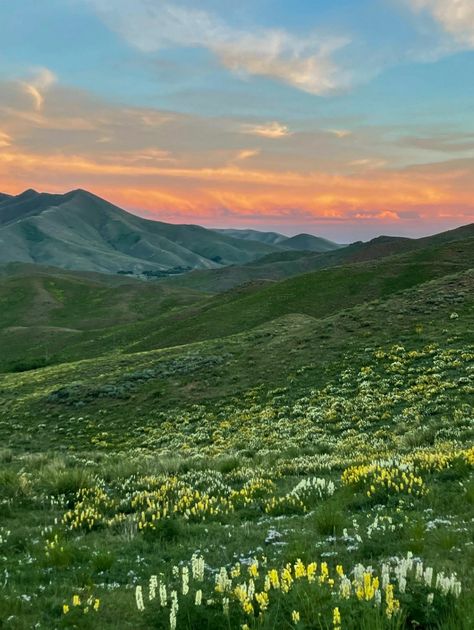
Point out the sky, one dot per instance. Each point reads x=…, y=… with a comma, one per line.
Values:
x=342, y=118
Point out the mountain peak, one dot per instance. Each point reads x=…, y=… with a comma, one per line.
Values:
x=29, y=192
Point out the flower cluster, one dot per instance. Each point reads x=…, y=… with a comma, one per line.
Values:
x=253, y=593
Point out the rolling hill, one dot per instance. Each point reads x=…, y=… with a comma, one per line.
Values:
x=286, y=264
x=295, y=350
x=317, y=294
x=50, y=316
x=44, y=311
x=273, y=238
x=81, y=231
x=306, y=242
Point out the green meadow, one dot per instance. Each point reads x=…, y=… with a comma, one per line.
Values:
x=291, y=453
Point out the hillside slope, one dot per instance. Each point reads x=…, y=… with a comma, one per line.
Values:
x=317, y=294
x=129, y=391
x=79, y=230
x=45, y=312
x=307, y=242
x=50, y=316
x=286, y=264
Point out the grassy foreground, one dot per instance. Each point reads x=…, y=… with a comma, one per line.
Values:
x=310, y=473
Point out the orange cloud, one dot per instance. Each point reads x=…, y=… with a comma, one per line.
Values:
x=232, y=194
x=179, y=167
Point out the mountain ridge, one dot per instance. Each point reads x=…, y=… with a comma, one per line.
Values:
x=79, y=230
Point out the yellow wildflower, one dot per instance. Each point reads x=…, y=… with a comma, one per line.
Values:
x=295, y=616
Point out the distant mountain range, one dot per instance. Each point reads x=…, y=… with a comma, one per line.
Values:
x=80, y=231
x=286, y=264
x=301, y=242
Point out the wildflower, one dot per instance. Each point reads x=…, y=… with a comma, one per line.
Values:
x=286, y=579
x=139, y=598
x=300, y=570
x=225, y=606
x=274, y=578
x=198, y=598
x=185, y=581
x=311, y=571
x=76, y=600
x=96, y=604
x=262, y=600
x=247, y=607
x=295, y=616
x=163, y=595
x=324, y=572
x=197, y=567
x=393, y=605
x=235, y=571
x=336, y=619
x=65, y=609
x=152, y=587
x=174, y=610
x=253, y=569
x=223, y=583
x=345, y=588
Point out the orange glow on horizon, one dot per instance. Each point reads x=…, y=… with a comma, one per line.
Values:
x=232, y=195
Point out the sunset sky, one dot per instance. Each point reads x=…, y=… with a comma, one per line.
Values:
x=343, y=118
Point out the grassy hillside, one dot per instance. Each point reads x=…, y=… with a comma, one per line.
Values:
x=264, y=456
x=297, y=349
x=82, y=316
x=281, y=265
x=81, y=231
x=317, y=294
x=45, y=312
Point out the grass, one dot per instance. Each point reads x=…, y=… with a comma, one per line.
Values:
x=341, y=436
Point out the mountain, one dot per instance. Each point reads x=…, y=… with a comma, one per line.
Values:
x=309, y=243
x=306, y=242
x=286, y=264
x=272, y=238
x=79, y=230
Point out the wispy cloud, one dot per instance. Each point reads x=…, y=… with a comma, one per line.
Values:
x=5, y=139
x=245, y=154
x=441, y=143
x=38, y=85
x=223, y=170
x=304, y=62
x=268, y=130
x=456, y=17
x=340, y=133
